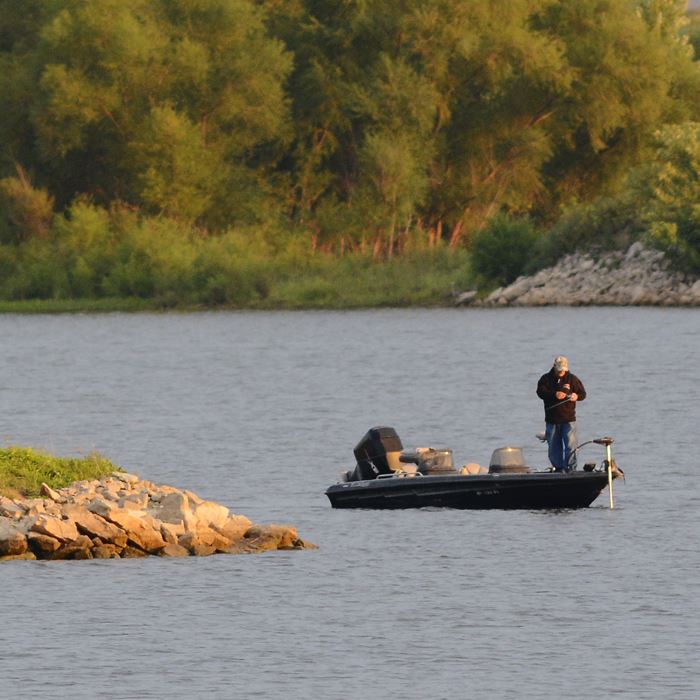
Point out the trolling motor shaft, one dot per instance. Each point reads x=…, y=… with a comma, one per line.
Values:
x=608, y=441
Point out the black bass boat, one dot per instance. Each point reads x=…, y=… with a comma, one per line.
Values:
x=388, y=477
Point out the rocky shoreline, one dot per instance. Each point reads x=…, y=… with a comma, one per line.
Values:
x=636, y=277
x=123, y=516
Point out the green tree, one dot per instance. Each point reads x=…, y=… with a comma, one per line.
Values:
x=631, y=72
x=356, y=120
x=160, y=103
x=670, y=188
x=522, y=106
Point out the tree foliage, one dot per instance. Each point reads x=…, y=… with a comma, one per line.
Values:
x=658, y=203
x=355, y=122
x=502, y=249
x=670, y=188
x=159, y=103
x=519, y=107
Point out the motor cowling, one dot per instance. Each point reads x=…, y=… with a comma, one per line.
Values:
x=377, y=453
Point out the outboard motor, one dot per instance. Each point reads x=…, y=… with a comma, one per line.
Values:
x=508, y=460
x=377, y=453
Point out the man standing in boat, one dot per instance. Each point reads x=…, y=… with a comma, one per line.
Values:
x=560, y=390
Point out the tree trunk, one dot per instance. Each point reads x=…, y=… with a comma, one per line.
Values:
x=456, y=234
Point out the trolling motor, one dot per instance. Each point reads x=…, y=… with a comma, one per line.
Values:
x=608, y=463
x=607, y=442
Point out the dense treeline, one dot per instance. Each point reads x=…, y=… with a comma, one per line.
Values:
x=177, y=147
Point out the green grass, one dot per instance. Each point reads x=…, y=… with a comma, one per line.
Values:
x=22, y=470
x=72, y=306
x=358, y=282
x=425, y=278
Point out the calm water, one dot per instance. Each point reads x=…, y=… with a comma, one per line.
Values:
x=260, y=411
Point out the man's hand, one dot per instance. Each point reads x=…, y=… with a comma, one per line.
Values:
x=573, y=397
x=561, y=395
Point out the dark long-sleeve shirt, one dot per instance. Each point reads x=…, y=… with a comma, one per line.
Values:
x=547, y=387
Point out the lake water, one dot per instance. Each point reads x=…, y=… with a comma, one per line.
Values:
x=260, y=411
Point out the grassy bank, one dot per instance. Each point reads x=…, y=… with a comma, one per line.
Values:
x=22, y=470
x=228, y=281
x=73, y=306
x=356, y=281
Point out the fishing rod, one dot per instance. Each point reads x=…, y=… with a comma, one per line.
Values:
x=554, y=405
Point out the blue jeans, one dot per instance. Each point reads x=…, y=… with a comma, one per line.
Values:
x=562, y=442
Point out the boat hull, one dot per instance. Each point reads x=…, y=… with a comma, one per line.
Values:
x=535, y=490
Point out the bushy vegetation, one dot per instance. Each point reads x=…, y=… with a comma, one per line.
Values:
x=23, y=470
x=501, y=251
x=670, y=187
x=659, y=203
x=95, y=254
x=228, y=151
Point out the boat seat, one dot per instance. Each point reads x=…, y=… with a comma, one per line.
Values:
x=472, y=469
x=407, y=470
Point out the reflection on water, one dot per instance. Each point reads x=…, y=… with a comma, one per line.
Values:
x=261, y=411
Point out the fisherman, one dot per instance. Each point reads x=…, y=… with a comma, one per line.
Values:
x=560, y=390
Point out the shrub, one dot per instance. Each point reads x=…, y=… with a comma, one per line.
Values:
x=670, y=189
x=25, y=211
x=82, y=247
x=609, y=223
x=501, y=251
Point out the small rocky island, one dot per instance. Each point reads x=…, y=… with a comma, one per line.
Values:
x=123, y=516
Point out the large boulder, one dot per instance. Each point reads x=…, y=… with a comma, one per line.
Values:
x=235, y=527
x=172, y=531
x=62, y=530
x=266, y=537
x=12, y=541
x=210, y=513
x=11, y=509
x=79, y=548
x=134, y=501
x=93, y=525
x=139, y=533
x=173, y=508
x=106, y=551
x=201, y=538
x=172, y=549
x=43, y=546
x=48, y=492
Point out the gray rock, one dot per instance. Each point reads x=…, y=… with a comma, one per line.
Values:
x=636, y=277
x=174, y=508
x=10, y=509
x=465, y=298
